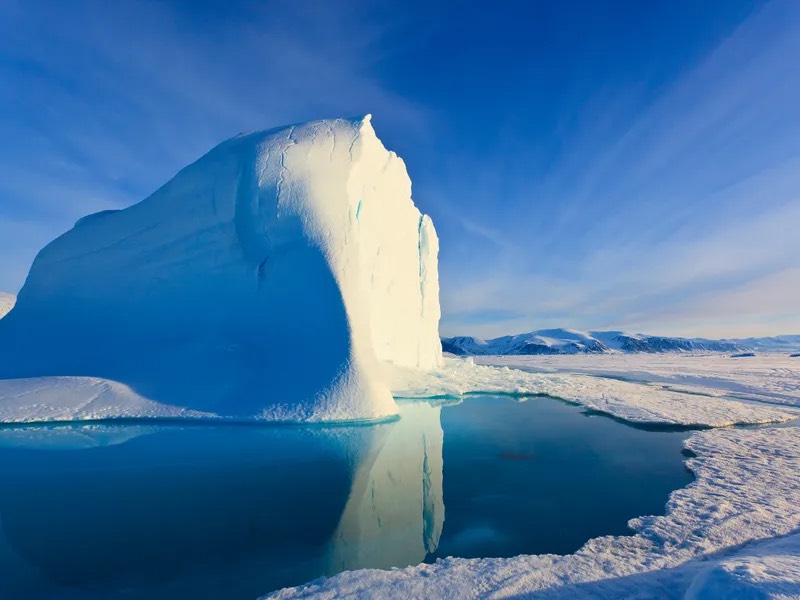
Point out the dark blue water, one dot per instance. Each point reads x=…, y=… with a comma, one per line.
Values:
x=237, y=511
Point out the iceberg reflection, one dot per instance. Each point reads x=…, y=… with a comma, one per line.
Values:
x=395, y=512
x=220, y=511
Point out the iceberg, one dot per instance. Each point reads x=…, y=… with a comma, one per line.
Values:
x=269, y=280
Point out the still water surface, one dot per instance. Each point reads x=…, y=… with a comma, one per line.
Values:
x=143, y=511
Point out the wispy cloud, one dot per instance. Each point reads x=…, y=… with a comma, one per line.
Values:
x=108, y=100
x=692, y=199
x=635, y=202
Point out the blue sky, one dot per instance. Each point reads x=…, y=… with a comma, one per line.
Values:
x=617, y=164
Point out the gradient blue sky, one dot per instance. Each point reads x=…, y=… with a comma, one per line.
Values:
x=615, y=164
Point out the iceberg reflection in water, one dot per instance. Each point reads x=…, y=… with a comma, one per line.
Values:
x=209, y=512
x=225, y=511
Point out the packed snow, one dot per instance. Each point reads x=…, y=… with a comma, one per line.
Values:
x=641, y=402
x=731, y=533
x=633, y=398
x=49, y=399
x=773, y=378
x=298, y=250
x=632, y=401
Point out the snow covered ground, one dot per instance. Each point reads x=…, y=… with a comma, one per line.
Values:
x=733, y=533
x=40, y=399
x=773, y=378
x=735, y=530
x=636, y=401
x=86, y=398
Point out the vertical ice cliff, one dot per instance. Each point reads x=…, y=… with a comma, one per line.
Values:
x=269, y=279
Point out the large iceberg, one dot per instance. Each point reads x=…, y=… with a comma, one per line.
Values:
x=270, y=279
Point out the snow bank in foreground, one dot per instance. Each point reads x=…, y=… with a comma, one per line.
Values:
x=630, y=401
x=719, y=538
x=267, y=280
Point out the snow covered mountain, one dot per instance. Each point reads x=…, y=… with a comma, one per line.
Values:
x=7, y=302
x=572, y=341
x=780, y=343
x=544, y=341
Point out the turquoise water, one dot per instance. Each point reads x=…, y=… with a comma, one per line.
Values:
x=143, y=511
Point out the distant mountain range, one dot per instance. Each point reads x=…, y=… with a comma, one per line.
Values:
x=572, y=341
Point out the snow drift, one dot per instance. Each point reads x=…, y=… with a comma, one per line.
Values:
x=267, y=280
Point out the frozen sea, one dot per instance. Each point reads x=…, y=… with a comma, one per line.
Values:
x=234, y=511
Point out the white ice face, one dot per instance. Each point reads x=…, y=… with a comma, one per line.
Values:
x=269, y=279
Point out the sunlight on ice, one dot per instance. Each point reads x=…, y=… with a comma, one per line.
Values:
x=300, y=251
